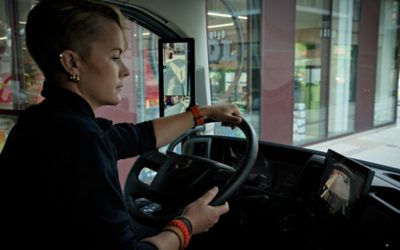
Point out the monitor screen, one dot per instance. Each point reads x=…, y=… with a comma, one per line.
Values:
x=344, y=184
x=176, y=64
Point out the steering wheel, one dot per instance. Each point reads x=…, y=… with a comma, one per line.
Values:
x=180, y=179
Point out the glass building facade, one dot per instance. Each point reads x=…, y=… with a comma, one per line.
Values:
x=306, y=71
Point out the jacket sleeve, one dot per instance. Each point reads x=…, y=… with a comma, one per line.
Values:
x=129, y=139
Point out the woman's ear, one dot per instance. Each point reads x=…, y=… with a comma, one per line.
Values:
x=70, y=61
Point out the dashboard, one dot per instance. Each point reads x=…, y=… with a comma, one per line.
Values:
x=292, y=196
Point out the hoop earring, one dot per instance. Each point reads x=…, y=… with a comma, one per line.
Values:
x=74, y=77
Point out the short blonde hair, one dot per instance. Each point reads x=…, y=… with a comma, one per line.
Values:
x=56, y=25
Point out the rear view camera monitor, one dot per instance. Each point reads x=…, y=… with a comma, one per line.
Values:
x=344, y=184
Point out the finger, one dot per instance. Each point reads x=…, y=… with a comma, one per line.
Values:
x=236, y=119
x=224, y=208
x=236, y=110
x=232, y=121
x=209, y=196
x=236, y=113
x=226, y=124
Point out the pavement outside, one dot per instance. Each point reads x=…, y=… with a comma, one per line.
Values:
x=381, y=145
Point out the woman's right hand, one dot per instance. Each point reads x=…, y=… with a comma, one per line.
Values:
x=202, y=215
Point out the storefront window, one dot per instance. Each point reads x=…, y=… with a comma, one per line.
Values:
x=325, y=69
x=234, y=56
x=311, y=67
x=21, y=80
x=343, y=67
x=5, y=60
x=386, y=75
x=6, y=123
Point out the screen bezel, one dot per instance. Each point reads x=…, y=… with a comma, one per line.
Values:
x=360, y=181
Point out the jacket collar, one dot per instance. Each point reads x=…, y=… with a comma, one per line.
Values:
x=54, y=93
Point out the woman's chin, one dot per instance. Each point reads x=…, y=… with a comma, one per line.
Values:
x=116, y=100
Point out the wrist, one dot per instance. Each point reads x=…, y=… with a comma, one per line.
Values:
x=182, y=227
x=178, y=233
x=198, y=117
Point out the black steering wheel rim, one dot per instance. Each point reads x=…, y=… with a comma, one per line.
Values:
x=135, y=189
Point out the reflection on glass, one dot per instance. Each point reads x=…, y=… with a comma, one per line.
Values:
x=175, y=104
x=234, y=35
x=21, y=80
x=175, y=69
x=6, y=123
x=343, y=65
x=311, y=51
x=326, y=52
x=386, y=74
x=176, y=82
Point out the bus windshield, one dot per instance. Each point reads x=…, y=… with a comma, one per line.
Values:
x=313, y=74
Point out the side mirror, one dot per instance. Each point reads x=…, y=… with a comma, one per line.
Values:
x=176, y=64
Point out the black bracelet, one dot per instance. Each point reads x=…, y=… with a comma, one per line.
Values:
x=187, y=223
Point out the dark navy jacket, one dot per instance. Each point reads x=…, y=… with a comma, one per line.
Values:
x=59, y=177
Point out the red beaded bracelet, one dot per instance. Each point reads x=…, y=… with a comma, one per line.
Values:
x=197, y=117
x=185, y=231
x=186, y=221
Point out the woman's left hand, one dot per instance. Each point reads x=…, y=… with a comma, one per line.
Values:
x=228, y=114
